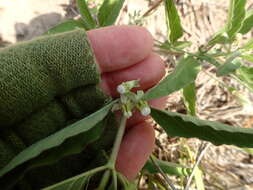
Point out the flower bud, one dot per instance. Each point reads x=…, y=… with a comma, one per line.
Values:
x=128, y=114
x=121, y=89
x=144, y=108
x=125, y=87
x=145, y=111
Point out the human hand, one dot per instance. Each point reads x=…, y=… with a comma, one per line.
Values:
x=124, y=53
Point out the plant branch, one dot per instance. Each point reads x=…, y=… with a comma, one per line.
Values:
x=152, y=8
x=163, y=174
x=115, y=180
x=200, y=155
x=117, y=142
x=104, y=180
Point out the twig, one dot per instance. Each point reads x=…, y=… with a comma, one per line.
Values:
x=104, y=180
x=117, y=142
x=201, y=152
x=152, y=8
x=163, y=174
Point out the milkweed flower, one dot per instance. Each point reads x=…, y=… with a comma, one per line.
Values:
x=125, y=87
x=121, y=89
x=144, y=108
x=146, y=111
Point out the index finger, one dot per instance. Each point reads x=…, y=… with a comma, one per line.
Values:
x=119, y=47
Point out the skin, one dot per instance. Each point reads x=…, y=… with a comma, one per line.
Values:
x=125, y=53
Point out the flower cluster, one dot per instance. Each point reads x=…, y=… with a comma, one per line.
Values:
x=129, y=100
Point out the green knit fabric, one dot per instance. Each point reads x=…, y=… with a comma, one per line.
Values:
x=33, y=73
x=45, y=84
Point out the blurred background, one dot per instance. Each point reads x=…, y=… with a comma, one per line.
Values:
x=222, y=167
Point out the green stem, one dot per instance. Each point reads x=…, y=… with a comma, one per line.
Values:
x=117, y=142
x=115, y=180
x=111, y=163
x=104, y=180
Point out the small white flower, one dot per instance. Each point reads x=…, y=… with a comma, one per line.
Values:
x=121, y=89
x=145, y=111
x=128, y=114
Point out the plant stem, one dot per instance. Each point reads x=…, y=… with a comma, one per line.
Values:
x=115, y=180
x=162, y=173
x=200, y=155
x=117, y=142
x=104, y=180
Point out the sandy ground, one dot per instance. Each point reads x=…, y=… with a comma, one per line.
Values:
x=28, y=18
x=224, y=167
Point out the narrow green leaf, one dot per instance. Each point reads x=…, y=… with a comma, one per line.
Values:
x=109, y=12
x=173, y=21
x=247, y=23
x=176, y=124
x=248, y=57
x=219, y=38
x=248, y=150
x=248, y=46
x=246, y=75
x=184, y=74
x=66, y=26
x=176, y=47
x=236, y=17
x=211, y=60
x=70, y=146
x=57, y=138
x=189, y=93
x=86, y=15
x=129, y=185
x=182, y=44
x=229, y=67
x=167, y=167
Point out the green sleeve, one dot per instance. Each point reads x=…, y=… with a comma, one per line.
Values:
x=33, y=73
x=45, y=84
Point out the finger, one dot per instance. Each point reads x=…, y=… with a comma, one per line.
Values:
x=118, y=47
x=150, y=71
x=135, y=149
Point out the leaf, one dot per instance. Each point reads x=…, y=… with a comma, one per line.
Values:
x=66, y=26
x=173, y=21
x=127, y=184
x=248, y=46
x=175, y=47
x=246, y=75
x=184, y=74
x=248, y=57
x=73, y=145
x=248, y=150
x=247, y=23
x=236, y=15
x=229, y=67
x=167, y=167
x=109, y=11
x=88, y=20
x=176, y=124
x=219, y=38
x=189, y=93
x=57, y=138
x=211, y=60
x=182, y=44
